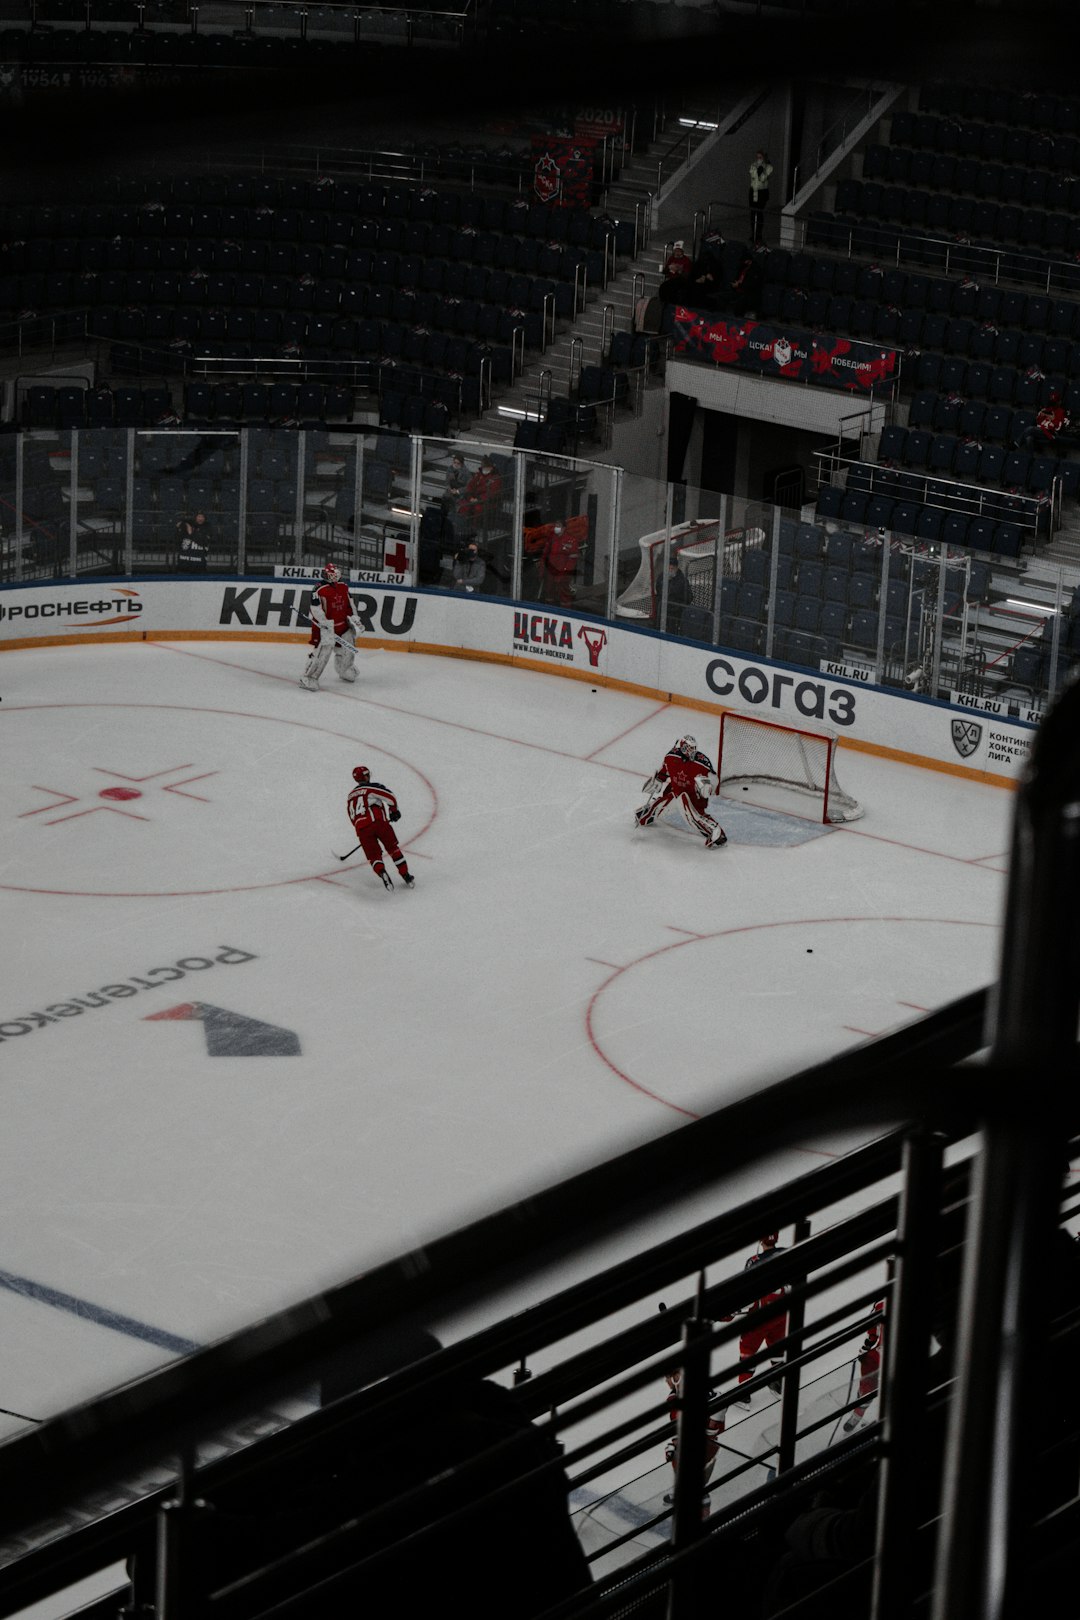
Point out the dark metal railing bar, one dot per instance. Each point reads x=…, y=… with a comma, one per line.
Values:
x=1016, y=1189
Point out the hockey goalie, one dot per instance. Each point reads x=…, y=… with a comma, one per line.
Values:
x=333, y=630
x=686, y=779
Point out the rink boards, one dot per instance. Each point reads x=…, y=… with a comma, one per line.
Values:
x=980, y=745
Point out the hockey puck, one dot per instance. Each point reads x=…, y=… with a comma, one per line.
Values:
x=746, y=790
x=592, y=689
x=809, y=950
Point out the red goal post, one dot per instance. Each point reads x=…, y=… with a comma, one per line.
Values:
x=753, y=749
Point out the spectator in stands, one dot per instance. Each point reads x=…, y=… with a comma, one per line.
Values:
x=469, y=569
x=747, y=287
x=711, y=256
x=1049, y=434
x=480, y=497
x=704, y=289
x=760, y=170
x=674, y=290
x=192, y=544
x=678, y=262
x=455, y=481
x=679, y=596
x=436, y=541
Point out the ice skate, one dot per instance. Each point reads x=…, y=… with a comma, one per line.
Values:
x=308, y=684
x=716, y=838
x=347, y=675
x=388, y=882
x=408, y=879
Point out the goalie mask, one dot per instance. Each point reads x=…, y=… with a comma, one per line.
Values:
x=361, y=774
x=687, y=745
x=330, y=575
x=770, y=1240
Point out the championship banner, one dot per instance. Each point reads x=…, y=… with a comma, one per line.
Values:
x=598, y=122
x=777, y=351
x=563, y=170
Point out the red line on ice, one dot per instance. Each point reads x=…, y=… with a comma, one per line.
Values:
x=660, y=707
x=233, y=714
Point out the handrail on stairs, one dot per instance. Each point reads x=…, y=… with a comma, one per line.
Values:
x=549, y=322
x=606, y=329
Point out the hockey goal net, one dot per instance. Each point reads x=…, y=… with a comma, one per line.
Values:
x=701, y=549
x=754, y=750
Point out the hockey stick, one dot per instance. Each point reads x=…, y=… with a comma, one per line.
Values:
x=348, y=853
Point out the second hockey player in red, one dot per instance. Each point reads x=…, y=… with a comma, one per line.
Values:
x=685, y=779
x=372, y=808
x=869, y=1369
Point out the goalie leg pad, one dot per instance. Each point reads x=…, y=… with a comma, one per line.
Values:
x=344, y=659
x=652, y=808
x=318, y=658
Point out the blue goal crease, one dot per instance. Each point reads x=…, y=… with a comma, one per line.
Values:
x=98, y=1314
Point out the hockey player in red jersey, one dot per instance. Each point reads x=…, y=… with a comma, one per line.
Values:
x=767, y=1332
x=372, y=809
x=869, y=1369
x=685, y=778
x=714, y=1428
x=332, y=630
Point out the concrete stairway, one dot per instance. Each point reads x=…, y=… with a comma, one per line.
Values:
x=499, y=423
x=627, y=197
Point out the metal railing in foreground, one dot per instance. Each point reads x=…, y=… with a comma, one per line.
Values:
x=951, y=1219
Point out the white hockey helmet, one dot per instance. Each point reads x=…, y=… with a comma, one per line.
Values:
x=687, y=745
x=361, y=774
x=330, y=575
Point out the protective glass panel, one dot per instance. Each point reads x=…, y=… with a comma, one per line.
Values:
x=45, y=512
x=267, y=17
x=567, y=522
x=100, y=458
x=185, y=501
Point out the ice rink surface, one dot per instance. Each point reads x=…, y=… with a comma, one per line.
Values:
x=235, y=1069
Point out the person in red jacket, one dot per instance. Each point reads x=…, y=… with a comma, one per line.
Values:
x=1050, y=432
x=768, y=1332
x=685, y=778
x=481, y=494
x=556, y=548
x=332, y=631
x=372, y=810
x=678, y=262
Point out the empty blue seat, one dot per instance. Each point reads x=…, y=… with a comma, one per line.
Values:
x=863, y=632
x=916, y=448
x=954, y=529
x=920, y=411
x=891, y=442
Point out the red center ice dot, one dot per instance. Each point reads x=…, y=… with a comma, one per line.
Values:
x=120, y=793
